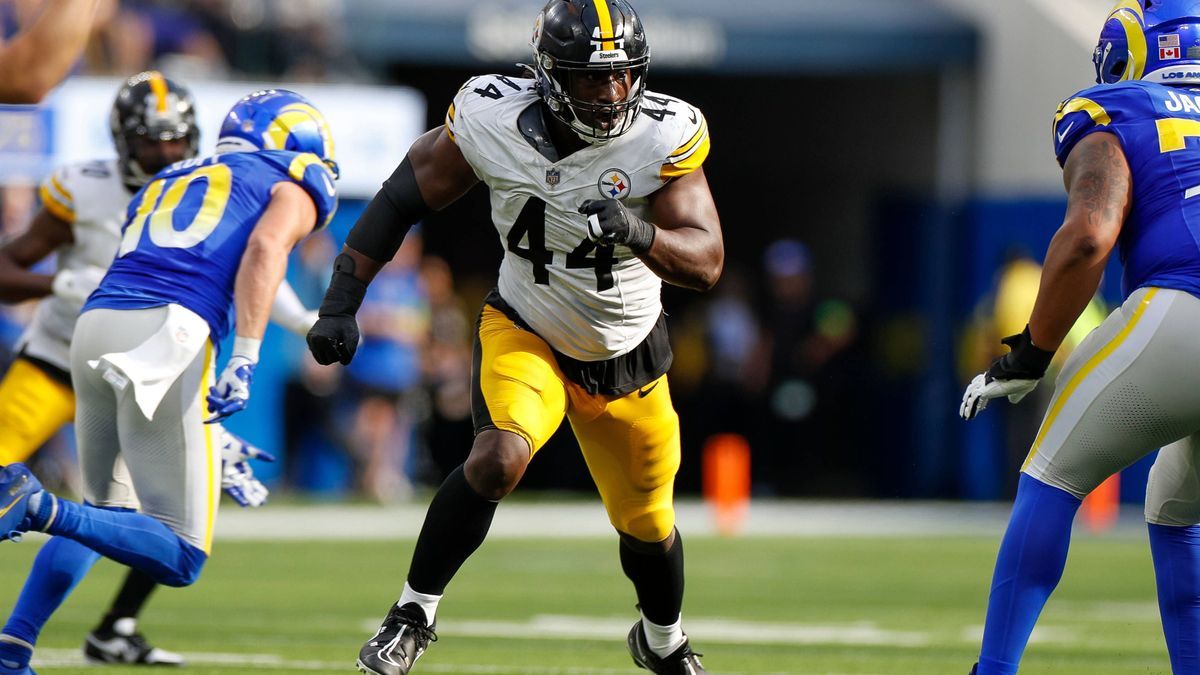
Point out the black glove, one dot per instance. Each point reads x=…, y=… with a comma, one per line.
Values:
x=334, y=337
x=1024, y=361
x=609, y=222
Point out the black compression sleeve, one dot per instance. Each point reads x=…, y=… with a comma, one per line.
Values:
x=395, y=208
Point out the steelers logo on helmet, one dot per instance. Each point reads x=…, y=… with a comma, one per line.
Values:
x=614, y=184
x=590, y=61
x=1154, y=40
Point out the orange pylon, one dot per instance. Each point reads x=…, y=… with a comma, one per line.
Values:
x=1101, y=507
x=727, y=480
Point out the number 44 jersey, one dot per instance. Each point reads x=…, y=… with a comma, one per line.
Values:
x=1158, y=127
x=590, y=303
x=186, y=230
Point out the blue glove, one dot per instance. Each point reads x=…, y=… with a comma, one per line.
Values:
x=237, y=478
x=233, y=388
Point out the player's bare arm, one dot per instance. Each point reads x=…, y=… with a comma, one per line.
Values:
x=688, y=249
x=1099, y=196
x=39, y=58
x=441, y=175
x=289, y=218
x=432, y=176
x=45, y=234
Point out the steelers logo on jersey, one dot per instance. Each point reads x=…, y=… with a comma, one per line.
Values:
x=615, y=184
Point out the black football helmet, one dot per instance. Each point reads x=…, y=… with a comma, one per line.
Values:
x=573, y=38
x=153, y=107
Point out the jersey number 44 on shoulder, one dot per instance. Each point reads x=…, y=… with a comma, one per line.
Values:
x=531, y=227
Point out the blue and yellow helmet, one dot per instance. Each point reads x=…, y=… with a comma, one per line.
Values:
x=1154, y=40
x=277, y=119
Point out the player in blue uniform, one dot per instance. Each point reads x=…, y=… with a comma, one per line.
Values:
x=1130, y=151
x=203, y=238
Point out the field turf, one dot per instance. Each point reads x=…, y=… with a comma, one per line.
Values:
x=538, y=607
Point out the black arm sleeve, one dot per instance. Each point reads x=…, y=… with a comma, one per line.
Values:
x=392, y=212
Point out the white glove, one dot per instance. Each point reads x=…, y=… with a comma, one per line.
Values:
x=237, y=478
x=75, y=285
x=233, y=388
x=983, y=389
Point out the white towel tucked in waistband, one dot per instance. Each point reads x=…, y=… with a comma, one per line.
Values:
x=153, y=366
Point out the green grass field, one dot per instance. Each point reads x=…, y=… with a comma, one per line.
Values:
x=562, y=606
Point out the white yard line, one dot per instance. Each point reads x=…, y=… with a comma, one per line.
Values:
x=73, y=658
x=703, y=631
x=586, y=519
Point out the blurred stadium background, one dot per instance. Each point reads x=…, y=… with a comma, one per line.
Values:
x=887, y=187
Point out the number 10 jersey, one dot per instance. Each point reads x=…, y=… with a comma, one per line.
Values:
x=187, y=229
x=591, y=303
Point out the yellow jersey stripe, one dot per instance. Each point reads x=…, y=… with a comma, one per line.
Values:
x=1098, y=114
x=606, y=25
x=686, y=165
x=158, y=85
x=700, y=133
x=450, y=113
x=57, y=208
x=62, y=190
x=211, y=485
x=1086, y=370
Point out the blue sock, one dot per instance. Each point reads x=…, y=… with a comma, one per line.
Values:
x=14, y=654
x=1176, y=552
x=132, y=539
x=1028, y=567
x=60, y=565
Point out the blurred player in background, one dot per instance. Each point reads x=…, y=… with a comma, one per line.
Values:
x=1130, y=151
x=202, y=237
x=575, y=157
x=39, y=57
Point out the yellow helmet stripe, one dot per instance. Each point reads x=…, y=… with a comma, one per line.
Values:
x=606, y=25
x=1137, y=41
x=1134, y=6
x=158, y=85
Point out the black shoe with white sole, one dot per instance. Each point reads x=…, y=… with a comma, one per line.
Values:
x=124, y=644
x=682, y=661
x=401, y=640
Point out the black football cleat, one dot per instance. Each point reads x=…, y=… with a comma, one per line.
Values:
x=124, y=644
x=401, y=640
x=682, y=661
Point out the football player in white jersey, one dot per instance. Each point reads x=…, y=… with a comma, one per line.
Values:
x=83, y=208
x=598, y=196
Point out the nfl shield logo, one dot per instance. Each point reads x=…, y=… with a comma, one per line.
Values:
x=552, y=177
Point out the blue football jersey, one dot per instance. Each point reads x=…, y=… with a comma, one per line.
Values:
x=1159, y=129
x=186, y=230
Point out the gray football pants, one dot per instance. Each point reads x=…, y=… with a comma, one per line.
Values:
x=1131, y=387
x=173, y=461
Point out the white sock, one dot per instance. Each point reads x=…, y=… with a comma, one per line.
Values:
x=663, y=640
x=427, y=602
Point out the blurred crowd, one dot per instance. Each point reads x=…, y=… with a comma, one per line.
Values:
x=298, y=40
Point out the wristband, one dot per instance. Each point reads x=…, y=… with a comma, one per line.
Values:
x=346, y=291
x=641, y=235
x=246, y=348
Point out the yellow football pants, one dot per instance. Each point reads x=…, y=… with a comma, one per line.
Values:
x=630, y=443
x=33, y=407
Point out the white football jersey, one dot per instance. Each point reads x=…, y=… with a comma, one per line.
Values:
x=92, y=198
x=590, y=303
